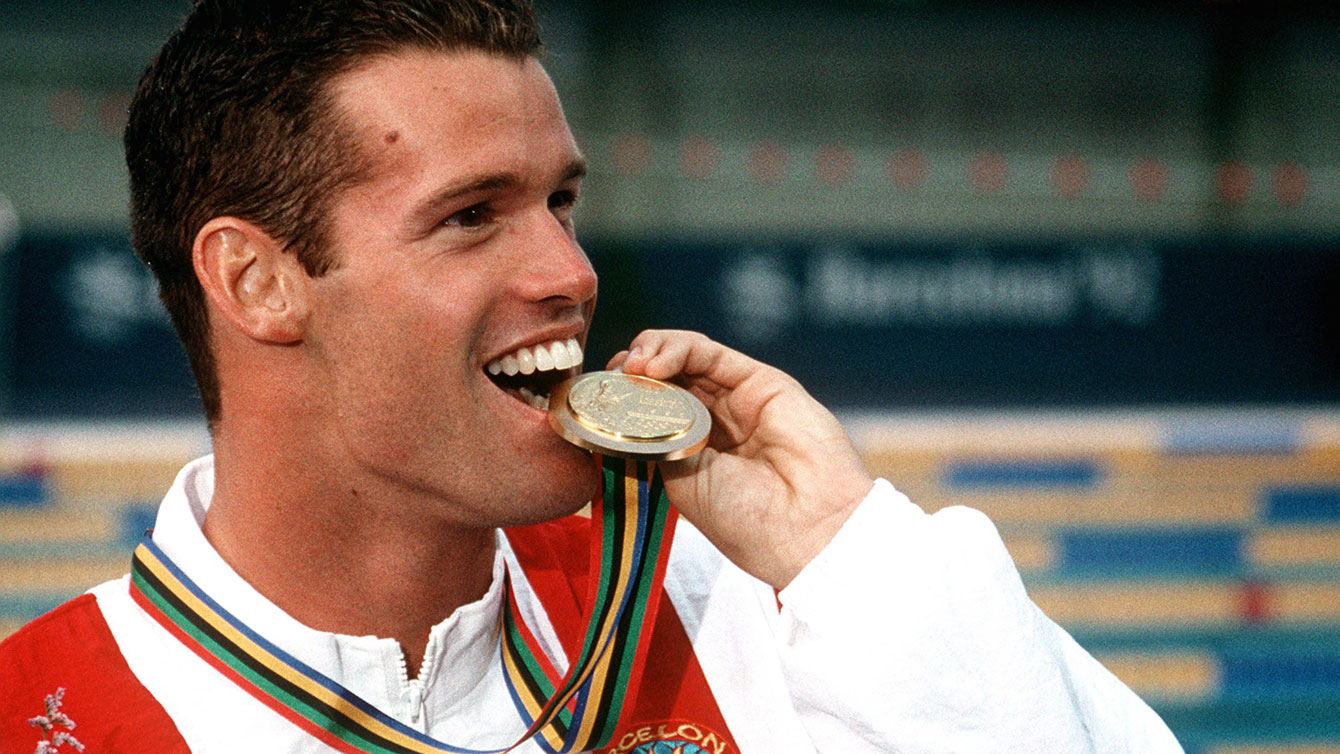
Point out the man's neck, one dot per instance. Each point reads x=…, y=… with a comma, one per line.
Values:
x=346, y=561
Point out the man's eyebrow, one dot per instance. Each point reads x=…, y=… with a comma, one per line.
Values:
x=425, y=209
x=444, y=195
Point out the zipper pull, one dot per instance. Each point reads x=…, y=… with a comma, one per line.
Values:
x=414, y=698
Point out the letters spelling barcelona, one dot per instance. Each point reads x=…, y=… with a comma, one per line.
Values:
x=673, y=731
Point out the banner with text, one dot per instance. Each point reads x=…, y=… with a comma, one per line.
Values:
x=879, y=325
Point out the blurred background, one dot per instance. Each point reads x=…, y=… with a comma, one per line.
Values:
x=1075, y=264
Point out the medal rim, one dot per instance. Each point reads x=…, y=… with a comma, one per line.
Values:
x=682, y=444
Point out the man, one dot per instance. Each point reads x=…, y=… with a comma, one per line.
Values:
x=361, y=217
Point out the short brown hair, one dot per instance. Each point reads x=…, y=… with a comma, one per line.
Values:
x=233, y=118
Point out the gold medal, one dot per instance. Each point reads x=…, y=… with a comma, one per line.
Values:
x=629, y=416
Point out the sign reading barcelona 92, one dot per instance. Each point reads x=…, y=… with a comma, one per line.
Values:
x=861, y=324
x=908, y=325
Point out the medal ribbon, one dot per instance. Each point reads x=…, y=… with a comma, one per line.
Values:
x=575, y=713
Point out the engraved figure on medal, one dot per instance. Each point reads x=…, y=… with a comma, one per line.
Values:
x=629, y=416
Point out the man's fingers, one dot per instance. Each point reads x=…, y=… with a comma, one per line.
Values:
x=658, y=353
x=666, y=354
x=668, y=361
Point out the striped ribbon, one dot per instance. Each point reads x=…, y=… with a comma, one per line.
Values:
x=575, y=713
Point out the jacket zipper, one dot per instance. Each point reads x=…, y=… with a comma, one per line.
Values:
x=413, y=691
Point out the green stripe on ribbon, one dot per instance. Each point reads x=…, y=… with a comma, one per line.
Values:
x=266, y=673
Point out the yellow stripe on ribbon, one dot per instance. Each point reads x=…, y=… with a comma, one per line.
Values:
x=275, y=664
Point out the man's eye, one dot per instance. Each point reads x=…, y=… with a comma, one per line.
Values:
x=470, y=217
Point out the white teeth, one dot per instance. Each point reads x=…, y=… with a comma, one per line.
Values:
x=559, y=351
x=536, y=401
x=571, y=353
x=543, y=360
x=556, y=354
x=526, y=360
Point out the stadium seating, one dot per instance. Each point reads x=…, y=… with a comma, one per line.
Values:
x=1196, y=555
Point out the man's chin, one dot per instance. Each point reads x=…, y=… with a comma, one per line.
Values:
x=568, y=491
x=580, y=486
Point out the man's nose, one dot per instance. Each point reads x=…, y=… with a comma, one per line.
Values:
x=555, y=267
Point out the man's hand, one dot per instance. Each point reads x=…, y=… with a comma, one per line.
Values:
x=779, y=475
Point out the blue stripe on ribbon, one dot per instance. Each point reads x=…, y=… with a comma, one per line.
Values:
x=297, y=664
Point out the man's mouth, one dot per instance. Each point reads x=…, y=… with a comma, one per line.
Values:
x=530, y=373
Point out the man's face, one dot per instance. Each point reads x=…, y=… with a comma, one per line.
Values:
x=455, y=252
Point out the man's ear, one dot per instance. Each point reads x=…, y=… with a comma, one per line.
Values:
x=263, y=290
